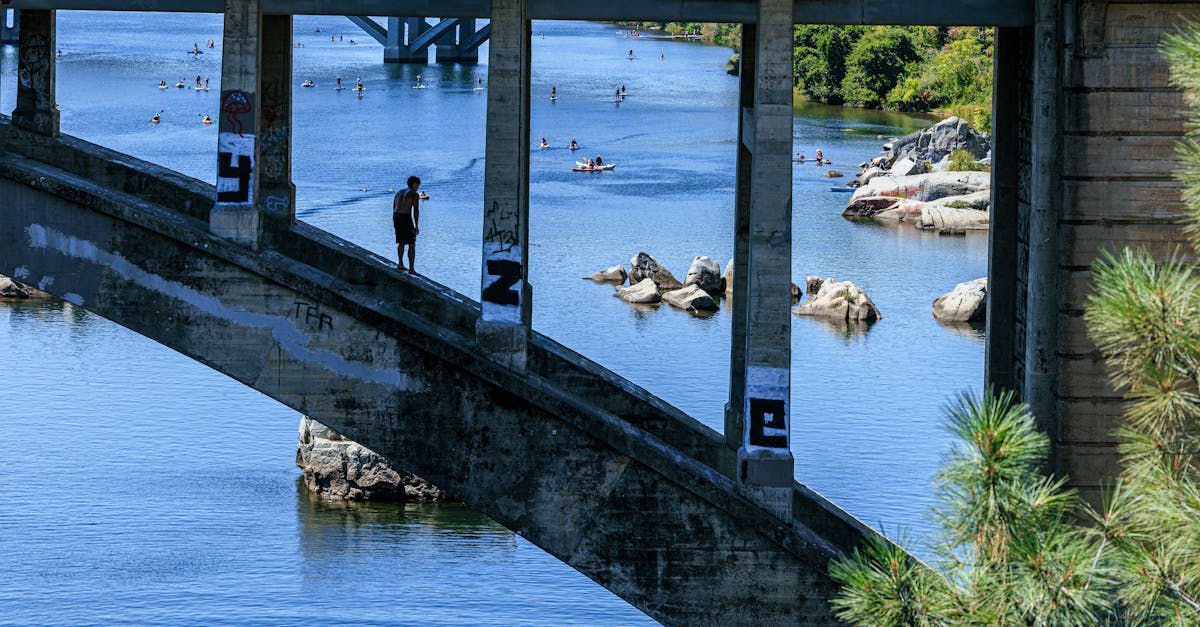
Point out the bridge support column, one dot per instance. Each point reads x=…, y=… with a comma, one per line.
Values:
x=236, y=214
x=765, y=460
x=1002, y=236
x=9, y=34
x=398, y=48
x=277, y=193
x=35, y=109
x=734, y=425
x=503, y=329
x=451, y=49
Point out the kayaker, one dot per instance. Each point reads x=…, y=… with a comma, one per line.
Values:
x=820, y=157
x=800, y=157
x=157, y=116
x=574, y=146
x=543, y=145
x=553, y=92
x=591, y=163
x=180, y=84
x=162, y=84
x=599, y=162
x=206, y=120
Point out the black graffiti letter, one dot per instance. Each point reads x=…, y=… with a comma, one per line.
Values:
x=226, y=170
x=767, y=413
x=500, y=291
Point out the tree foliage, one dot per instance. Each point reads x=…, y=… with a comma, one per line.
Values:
x=1012, y=552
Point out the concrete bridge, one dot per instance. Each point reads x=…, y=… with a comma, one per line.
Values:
x=691, y=526
x=407, y=40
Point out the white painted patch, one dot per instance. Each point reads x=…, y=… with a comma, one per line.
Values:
x=290, y=339
x=73, y=298
x=21, y=272
x=765, y=385
x=499, y=312
x=232, y=178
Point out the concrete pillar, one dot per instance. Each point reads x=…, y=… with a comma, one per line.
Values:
x=277, y=193
x=401, y=34
x=734, y=426
x=35, y=109
x=236, y=214
x=10, y=34
x=765, y=459
x=1040, y=387
x=503, y=329
x=451, y=50
x=1002, y=237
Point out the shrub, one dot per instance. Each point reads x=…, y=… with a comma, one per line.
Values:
x=963, y=161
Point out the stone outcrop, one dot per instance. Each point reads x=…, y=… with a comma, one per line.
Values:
x=615, y=274
x=925, y=187
x=934, y=143
x=338, y=469
x=843, y=300
x=644, y=292
x=17, y=290
x=691, y=299
x=967, y=302
x=947, y=202
x=727, y=276
x=705, y=274
x=643, y=266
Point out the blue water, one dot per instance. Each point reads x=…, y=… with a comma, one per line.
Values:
x=142, y=487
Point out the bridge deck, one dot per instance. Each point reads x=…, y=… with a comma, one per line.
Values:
x=947, y=13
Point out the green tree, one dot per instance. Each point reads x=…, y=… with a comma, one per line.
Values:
x=879, y=59
x=819, y=59
x=1011, y=552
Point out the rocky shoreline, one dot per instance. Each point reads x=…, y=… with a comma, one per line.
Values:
x=935, y=179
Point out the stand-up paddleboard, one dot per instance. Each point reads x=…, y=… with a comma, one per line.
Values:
x=359, y=88
x=339, y=88
x=478, y=89
x=418, y=87
x=553, y=98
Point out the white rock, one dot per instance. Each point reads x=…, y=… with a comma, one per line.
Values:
x=691, y=298
x=615, y=274
x=967, y=302
x=643, y=292
x=842, y=300
x=705, y=274
x=728, y=277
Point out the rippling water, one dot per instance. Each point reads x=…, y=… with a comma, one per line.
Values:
x=142, y=487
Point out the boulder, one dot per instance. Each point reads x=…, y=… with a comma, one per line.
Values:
x=615, y=274
x=868, y=206
x=339, y=469
x=705, y=274
x=691, y=298
x=925, y=187
x=967, y=302
x=939, y=140
x=643, y=266
x=902, y=211
x=952, y=220
x=796, y=292
x=906, y=167
x=866, y=176
x=840, y=300
x=15, y=289
x=642, y=292
x=727, y=276
x=833, y=174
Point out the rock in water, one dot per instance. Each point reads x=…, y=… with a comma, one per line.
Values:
x=833, y=174
x=691, y=298
x=728, y=277
x=338, y=469
x=643, y=292
x=643, y=266
x=843, y=300
x=615, y=274
x=967, y=302
x=796, y=292
x=705, y=274
x=14, y=289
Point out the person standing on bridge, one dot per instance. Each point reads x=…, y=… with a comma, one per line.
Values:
x=406, y=215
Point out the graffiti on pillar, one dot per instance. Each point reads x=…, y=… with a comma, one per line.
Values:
x=234, y=104
x=767, y=402
x=235, y=167
x=35, y=58
x=503, y=272
x=311, y=315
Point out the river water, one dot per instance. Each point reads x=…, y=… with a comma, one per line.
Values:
x=141, y=487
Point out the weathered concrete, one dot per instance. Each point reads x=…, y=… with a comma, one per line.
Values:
x=948, y=13
x=737, y=266
x=236, y=214
x=764, y=456
x=591, y=468
x=277, y=193
x=506, y=295
x=9, y=34
x=36, y=104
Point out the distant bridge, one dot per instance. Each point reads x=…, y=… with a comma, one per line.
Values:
x=689, y=525
x=407, y=40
